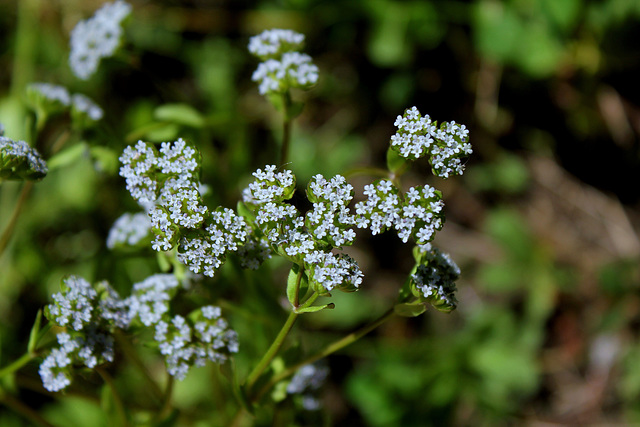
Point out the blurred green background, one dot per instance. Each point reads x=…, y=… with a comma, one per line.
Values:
x=544, y=224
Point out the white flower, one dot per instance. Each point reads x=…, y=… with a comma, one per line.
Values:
x=129, y=229
x=418, y=136
x=51, y=92
x=85, y=105
x=96, y=38
x=283, y=67
x=275, y=41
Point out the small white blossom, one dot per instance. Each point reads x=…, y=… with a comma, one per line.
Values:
x=85, y=105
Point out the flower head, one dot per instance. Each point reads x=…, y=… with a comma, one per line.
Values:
x=275, y=42
x=202, y=336
x=445, y=146
x=96, y=38
x=417, y=214
x=84, y=108
x=129, y=230
x=283, y=66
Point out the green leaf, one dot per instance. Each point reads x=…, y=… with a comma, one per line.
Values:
x=293, y=285
x=410, y=309
x=395, y=162
x=67, y=156
x=35, y=333
x=245, y=212
x=315, y=308
x=181, y=114
x=163, y=262
x=294, y=110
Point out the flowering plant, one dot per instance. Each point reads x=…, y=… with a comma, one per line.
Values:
x=195, y=240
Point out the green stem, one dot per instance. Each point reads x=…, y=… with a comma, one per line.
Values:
x=296, y=299
x=331, y=348
x=117, y=400
x=8, y=231
x=24, y=359
x=165, y=409
x=382, y=173
x=130, y=352
x=23, y=410
x=271, y=352
x=286, y=128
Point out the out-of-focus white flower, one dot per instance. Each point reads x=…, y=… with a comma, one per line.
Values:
x=96, y=38
x=283, y=67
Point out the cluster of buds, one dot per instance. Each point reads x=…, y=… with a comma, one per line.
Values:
x=20, y=161
x=434, y=280
x=283, y=67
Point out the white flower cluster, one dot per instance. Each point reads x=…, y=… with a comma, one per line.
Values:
x=275, y=42
x=446, y=146
x=307, y=380
x=166, y=182
x=270, y=186
x=418, y=214
x=283, y=67
x=206, y=251
x=326, y=226
x=52, y=97
x=91, y=314
x=129, y=230
x=149, y=300
x=96, y=38
x=53, y=93
x=20, y=161
x=186, y=343
x=330, y=220
x=434, y=279
x=83, y=105
x=329, y=271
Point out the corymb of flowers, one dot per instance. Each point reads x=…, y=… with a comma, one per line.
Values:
x=96, y=38
x=445, y=146
x=196, y=239
x=283, y=66
x=93, y=315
